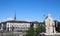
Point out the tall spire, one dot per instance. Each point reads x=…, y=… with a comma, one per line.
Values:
x=15, y=15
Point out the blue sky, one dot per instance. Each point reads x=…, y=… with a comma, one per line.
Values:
x=33, y=10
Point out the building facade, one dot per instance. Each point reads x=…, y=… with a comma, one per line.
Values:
x=17, y=25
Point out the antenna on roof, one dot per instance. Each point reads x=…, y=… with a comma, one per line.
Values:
x=15, y=15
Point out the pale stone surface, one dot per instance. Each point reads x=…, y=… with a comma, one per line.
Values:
x=50, y=25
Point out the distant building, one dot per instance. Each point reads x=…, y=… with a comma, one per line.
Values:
x=17, y=25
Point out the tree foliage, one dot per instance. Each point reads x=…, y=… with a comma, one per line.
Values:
x=40, y=29
x=58, y=27
x=34, y=31
x=30, y=32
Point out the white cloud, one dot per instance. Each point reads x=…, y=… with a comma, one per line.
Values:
x=9, y=19
x=3, y=19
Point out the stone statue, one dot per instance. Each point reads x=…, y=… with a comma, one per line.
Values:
x=50, y=25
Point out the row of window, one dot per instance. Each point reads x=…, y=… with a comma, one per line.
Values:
x=19, y=25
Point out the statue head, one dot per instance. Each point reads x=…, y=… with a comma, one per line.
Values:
x=49, y=15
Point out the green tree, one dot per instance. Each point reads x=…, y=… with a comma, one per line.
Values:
x=34, y=32
x=30, y=32
x=58, y=27
x=40, y=29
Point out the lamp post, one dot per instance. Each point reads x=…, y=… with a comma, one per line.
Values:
x=2, y=32
x=12, y=30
